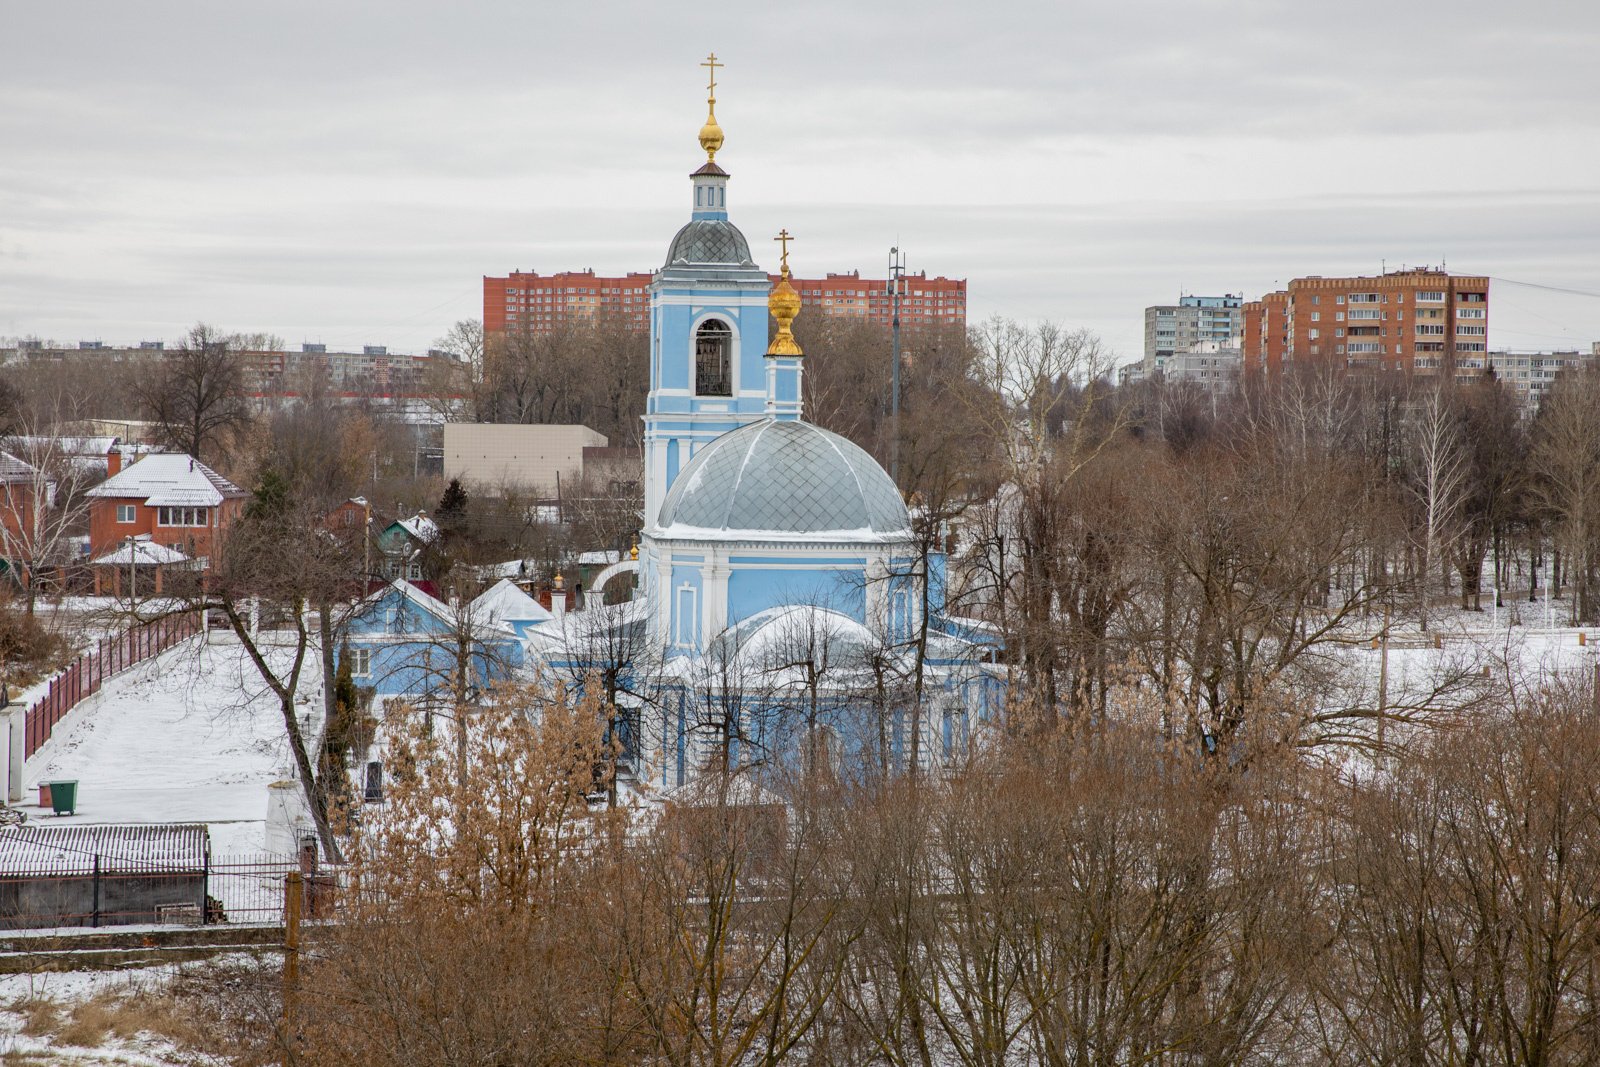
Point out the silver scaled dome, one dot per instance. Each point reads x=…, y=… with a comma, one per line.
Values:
x=709, y=241
x=774, y=478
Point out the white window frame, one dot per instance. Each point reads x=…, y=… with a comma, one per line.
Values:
x=686, y=615
x=184, y=517
x=361, y=662
x=127, y=513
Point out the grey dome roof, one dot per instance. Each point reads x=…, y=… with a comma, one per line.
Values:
x=785, y=478
x=709, y=241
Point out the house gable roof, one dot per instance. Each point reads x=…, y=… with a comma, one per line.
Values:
x=431, y=608
x=14, y=470
x=169, y=480
x=506, y=602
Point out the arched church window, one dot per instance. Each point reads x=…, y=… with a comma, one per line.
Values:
x=713, y=349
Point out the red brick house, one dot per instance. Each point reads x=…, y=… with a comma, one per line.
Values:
x=22, y=496
x=174, y=500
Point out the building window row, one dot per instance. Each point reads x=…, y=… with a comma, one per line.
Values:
x=183, y=516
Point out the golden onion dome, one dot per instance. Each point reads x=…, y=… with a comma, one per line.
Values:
x=784, y=304
x=711, y=137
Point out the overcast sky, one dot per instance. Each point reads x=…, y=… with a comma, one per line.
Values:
x=347, y=173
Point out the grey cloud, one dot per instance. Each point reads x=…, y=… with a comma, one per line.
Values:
x=356, y=168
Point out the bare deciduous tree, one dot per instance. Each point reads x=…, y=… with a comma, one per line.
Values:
x=195, y=394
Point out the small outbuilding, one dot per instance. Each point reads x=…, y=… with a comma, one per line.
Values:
x=107, y=875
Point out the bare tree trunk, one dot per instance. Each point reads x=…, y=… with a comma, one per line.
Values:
x=285, y=689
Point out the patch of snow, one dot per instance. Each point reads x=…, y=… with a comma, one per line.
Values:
x=190, y=736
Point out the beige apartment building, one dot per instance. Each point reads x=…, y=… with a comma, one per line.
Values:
x=538, y=459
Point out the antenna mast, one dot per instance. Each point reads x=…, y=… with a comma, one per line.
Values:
x=897, y=272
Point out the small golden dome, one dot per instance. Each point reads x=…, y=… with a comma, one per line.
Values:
x=711, y=137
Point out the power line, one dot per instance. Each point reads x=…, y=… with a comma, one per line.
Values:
x=1547, y=288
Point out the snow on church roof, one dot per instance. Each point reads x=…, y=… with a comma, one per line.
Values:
x=777, y=479
x=169, y=480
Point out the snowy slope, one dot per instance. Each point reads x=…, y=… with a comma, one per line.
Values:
x=191, y=736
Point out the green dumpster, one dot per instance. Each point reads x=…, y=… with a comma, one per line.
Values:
x=64, y=797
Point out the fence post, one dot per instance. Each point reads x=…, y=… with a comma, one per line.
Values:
x=294, y=895
x=96, y=920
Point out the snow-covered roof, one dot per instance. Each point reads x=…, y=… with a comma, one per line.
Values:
x=603, y=557
x=420, y=527
x=439, y=609
x=68, y=446
x=600, y=631
x=169, y=480
x=506, y=602
x=13, y=469
x=511, y=568
x=144, y=553
x=83, y=848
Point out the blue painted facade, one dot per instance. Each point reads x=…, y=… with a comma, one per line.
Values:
x=760, y=528
x=695, y=301
x=402, y=643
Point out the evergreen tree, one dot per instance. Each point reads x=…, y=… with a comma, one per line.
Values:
x=452, y=512
x=271, y=498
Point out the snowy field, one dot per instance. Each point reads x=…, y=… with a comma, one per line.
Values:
x=104, y=1017
x=190, y=736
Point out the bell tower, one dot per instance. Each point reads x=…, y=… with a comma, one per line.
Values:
x=708, y=327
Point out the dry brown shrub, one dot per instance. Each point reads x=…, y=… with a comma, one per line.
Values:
x=28, y=650
x=40, y=1016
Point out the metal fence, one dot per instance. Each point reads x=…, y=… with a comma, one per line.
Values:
x=247, y=888
x=85, y=675
x=107, y=891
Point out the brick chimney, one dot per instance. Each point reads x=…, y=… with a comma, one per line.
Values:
x=113, y=461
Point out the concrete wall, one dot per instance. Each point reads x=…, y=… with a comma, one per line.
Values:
x=528, y=457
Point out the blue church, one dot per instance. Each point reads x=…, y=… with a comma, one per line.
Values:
x=783, y=594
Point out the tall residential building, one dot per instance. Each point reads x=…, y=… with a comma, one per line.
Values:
x=1529, y=375
x=1419, y=318
x=1173, y=328
x=542, y=302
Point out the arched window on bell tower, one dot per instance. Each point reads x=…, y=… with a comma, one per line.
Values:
x=713, y=364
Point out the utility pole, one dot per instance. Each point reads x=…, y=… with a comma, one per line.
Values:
x=897, y=271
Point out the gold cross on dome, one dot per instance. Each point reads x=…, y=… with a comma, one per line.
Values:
x=711, y=62
x=783, y=240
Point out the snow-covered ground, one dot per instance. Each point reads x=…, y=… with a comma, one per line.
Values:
x=52, y=1017
x=195, y=736
x=190, y=736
